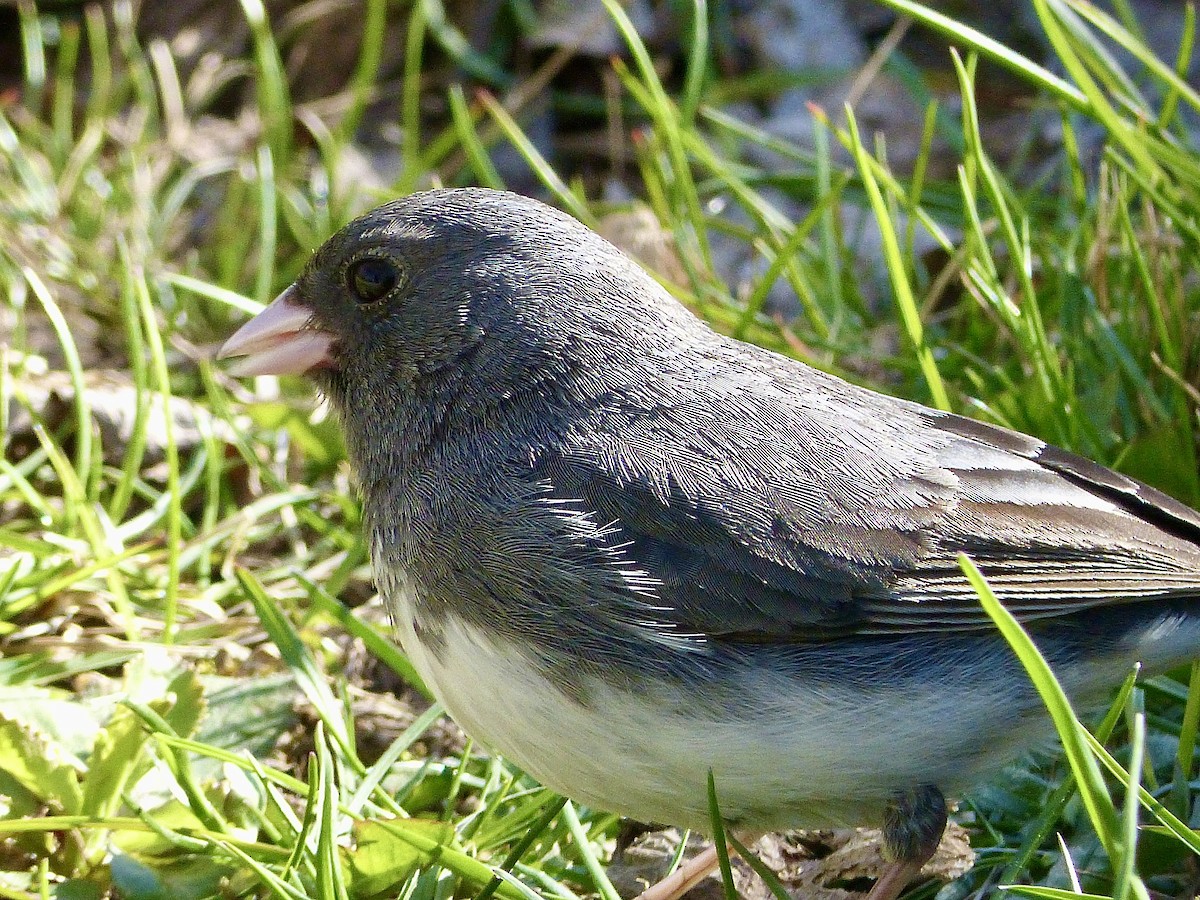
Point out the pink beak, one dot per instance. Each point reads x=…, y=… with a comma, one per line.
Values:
x=278, y=341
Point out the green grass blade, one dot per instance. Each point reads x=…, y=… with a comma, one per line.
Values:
x=302, y=664
x=174, y=509
x=370, y=55
x=83, y=413
x=720, y=842
x=905, y=301
x=274, y=103
x=973, y=39
x=477, y=155
x=1074, y=737
x=537, y=163
x=599, y=878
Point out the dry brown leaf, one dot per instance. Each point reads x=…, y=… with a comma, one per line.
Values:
x=812, y=865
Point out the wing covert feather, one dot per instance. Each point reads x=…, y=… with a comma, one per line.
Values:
x=767, y=525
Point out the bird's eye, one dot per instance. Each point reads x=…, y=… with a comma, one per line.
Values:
x=371, y=279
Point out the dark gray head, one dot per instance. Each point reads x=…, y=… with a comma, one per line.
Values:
x=452, y=303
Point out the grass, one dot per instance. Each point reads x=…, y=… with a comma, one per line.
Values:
x=185, y=701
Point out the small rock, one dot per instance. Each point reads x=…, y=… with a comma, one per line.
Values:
x=112, y=400
x=802, y=36
x=586, y=26
x=638, y=232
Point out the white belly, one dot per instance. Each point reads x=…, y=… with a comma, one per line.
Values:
x=786, y=760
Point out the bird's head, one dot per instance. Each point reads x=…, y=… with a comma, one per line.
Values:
x=461, y=300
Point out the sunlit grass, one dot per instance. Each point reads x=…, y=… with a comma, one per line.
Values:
x=170, y=583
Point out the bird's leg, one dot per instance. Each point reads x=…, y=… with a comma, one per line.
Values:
x=689, y=874
x=912, y=829
x=913, y=823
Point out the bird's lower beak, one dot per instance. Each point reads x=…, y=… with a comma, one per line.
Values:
x=280, y=340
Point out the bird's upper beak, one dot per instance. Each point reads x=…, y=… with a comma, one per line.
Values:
x=280, y=340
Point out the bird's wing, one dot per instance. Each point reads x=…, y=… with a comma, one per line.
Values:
x=804, y=514
x=1052, y=531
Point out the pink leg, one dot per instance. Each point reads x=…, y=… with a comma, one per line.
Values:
x=689, y=874
x=896, y=878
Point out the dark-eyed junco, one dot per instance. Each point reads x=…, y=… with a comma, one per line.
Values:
x=625, y=550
